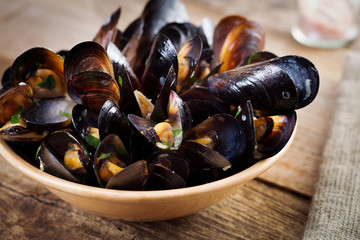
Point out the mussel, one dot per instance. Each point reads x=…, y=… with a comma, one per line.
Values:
x=275, y=86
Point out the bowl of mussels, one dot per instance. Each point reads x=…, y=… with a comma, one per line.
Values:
x=155, y=121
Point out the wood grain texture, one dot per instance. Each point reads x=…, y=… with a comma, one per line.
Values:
x=273, y=207
x=255, y=211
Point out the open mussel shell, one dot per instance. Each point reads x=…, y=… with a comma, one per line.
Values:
x=161, y=178
x=62, y=155
x=180, y=118
x=49, y=113
x=111, y=155
x=258, y=57
x=155, y=15
x=243, y=40
x=269, y=88
x=43, y=70
x=162, y=56
x=206, y=165
x=273, y=141
x=188, y=58
x=132, y=177
x=121, y=66
x=92, y=89
x=171, y=160
x=222, y=30
x=203, y=104
x=160, y=112
x=18, y=133
x=179, y=33
x=87, y=57
x=85, y=123
x=108, y=31
x=222, y=133
x=113, y=121
x=13, y=100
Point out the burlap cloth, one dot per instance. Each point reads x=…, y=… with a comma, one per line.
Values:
x=335, y=210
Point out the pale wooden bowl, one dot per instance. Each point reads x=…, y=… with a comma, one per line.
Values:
x=141, y=205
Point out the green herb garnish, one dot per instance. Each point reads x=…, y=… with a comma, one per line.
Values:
x=177, y=132
x=252, y=57
x=105, y=155
x=65, y=114
x=37, y=152
x=48, y=83
x=238, y=112
x=92, y=141
x=120, y=81
x=15, y=118
x=165, y=144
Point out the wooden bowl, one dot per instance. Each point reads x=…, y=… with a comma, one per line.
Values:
x=141, y=205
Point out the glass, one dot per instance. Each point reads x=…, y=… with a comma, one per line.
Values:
x=326, y=23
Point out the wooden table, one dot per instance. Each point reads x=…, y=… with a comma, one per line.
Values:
x=273, y=206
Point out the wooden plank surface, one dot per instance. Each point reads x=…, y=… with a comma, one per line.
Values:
x=274, y=206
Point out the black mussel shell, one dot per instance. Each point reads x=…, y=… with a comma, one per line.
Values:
x=113, y=121
x=121, y=66
x=203, y=104
x=93, y=89
x=43, y=70
x=201, y=156
x=21, y=134
x=222, y=133
x=52, y=153
x=161, y=178
x=87, y=57
x=163, y=55
x=222, y=30
x=172, y=161
x=258, y=57
x=269, y=88
x=85, y=123
x=179, y=33
x=13, y=100
x=206, y=165
x=273, y=142
x=156, y=14
x=188, y=58
x=112, y=150
x=160, y=112
x=243, y=40
x=303, y=73
x=132, y=177
x=180, y=118
x=107, y=32
x=49, y=113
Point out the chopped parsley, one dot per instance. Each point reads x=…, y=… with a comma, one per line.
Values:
x=92, y=141
x=105, y=155
x=15, y=118
x=238, y=112
x=165, y=144
x=48, y=83
x=65, y=114
x=254, y=56
x=120, y=81
x=177, y=132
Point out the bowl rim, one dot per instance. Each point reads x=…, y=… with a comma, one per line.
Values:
x=128, y=196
